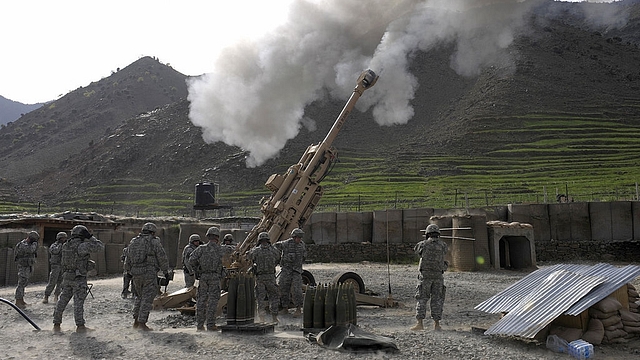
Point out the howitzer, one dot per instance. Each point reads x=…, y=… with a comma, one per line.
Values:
x=296, y=193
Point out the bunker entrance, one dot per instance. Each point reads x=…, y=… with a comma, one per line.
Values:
x=515, y=252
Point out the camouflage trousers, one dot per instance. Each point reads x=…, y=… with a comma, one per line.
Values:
x=55, y=281
x=266, y=288
x=24, y=273
x=189, y=279
x=76, y=287
x=126, y=283
x=208, y=298
x=145, y=286
x=430, y=286
x=290, y=282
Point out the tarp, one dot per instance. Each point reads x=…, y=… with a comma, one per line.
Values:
x=351, y=338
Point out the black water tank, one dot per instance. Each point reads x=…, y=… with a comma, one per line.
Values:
x=205, y=194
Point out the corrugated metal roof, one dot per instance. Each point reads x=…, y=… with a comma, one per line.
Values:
x=537, y=299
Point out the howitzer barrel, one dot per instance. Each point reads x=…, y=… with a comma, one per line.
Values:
x=366, y=80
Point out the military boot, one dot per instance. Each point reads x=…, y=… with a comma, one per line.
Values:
x=82, y=329
x=418, y=326
x=274, y=318
x=200, y=328
x=21, y=304
x=56, y=328
x=136, y=324
x=143, y=326
x=436, y=326
x=212, y=328
x=45, y=300
x=297, y=313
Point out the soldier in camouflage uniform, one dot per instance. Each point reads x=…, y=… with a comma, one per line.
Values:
x=145, y=257
x=206, y=261
x=25, y=257
x=431, y=280
x=126, y=278
x=55, y=262
x=189, y=274
x=75, y=265
x=293, y=252
x=265, y=257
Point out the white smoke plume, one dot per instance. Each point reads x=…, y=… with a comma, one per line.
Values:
x=255, y=96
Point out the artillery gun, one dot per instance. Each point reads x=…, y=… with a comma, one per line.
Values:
x=296, y=193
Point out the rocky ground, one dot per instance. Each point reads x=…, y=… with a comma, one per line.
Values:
x=174, y=335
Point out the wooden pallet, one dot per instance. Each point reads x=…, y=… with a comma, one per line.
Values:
x=255, y=328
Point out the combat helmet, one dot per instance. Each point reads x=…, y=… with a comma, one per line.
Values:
x=80, y=231
x=297, y=232
x=61, y=235
x=432, y=229
x=33, y=235
x=263, y=236
x=149, y=228
x=194, y=237
x=213, y=231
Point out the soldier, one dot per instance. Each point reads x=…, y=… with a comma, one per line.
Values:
x=75, y=266
x=189, y=275
x=206, y=261
x=145, y=257
x=55, y=262
x=25, y=257
x=265, y=258
x=293, y=253
x=126, y=277
x=431, y=280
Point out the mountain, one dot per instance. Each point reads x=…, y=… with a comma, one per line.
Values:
x=12, y=110
x=44, y=138
x=567, y=110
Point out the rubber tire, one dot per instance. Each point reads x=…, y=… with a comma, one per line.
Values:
x=350, y=277
x=307, y=278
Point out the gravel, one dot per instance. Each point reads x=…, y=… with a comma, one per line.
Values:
x=174, y=334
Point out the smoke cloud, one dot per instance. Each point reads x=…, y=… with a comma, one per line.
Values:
x=255, y=96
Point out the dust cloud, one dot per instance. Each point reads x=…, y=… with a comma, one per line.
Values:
x=256, y=93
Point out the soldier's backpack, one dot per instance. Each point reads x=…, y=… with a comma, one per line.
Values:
x=138, y=250
x=70, y=254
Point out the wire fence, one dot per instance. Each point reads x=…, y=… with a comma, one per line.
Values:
x=250, y=207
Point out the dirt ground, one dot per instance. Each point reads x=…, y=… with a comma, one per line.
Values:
x=174, y=334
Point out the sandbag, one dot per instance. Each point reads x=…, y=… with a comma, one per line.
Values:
x=567, y=333
x=631, y=329
x=595, y=313
x=613, y=327
x=594, y=333
x=628, y=316
x=610, y=321
x=608, y=305
x=632, y=293
x=611, y=335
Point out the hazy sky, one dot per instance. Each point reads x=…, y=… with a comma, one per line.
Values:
x=51, y=47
